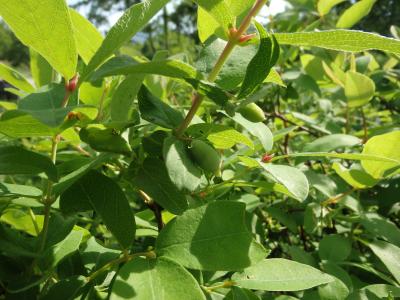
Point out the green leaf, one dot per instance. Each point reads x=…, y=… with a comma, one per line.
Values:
x=234, y=70
x=356, y=177
x=325, y=6
x=88, y=38
x=66, y=289
x=350, y=156
x=125, y=65
x=15, y=78
x=210, y=237
x=380, y=291
x=41, y=70
x=237, y=293
x=46, y=105
x=332, y=142
x=292, y=178
x=334, y=248
x=18, y=124
x=133, y=20
x=17, y=160
x=277, y=274
x=385, y=145
x=211, y=90
x=35, y=26
x=389, y=254
x=181, y=169
x=208, y=23
x=259, y=130
x=108, y=200
x=261, y=64
x=154, y=180
x=55, y=254
x=157, y=279
x=68, y=180
x=381, y=227
x=156, y=111
x=221, y=136
x=220, y=11
x=355, y=13
x=341, y=40
x=358, y=88
x=21, y=221
x=17, y=190
x=125, y=94
x=337, y=289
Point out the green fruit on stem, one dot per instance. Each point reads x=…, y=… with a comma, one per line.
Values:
x=206, y=156
x=252, y=112
x=104, y=140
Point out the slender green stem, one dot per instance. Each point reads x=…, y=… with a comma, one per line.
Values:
x=232, y=42
x=116, y=262
x=225, y=284
x=48, y=198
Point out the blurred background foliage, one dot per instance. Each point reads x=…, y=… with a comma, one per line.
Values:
x=175, y=28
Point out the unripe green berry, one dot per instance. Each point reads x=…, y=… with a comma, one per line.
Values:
x=252, y=112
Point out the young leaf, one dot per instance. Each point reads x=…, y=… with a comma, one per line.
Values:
x=385, y=145
x=156, y=279
x=108, y=200
x=181, y=169
x=15, y=78
x=389, y=254
x=35, y=26
x=292, y=178
x=261, y=64
x=134, y=19
x=341, y=40
x=355, y=13
x=211, y=237
x=156, y=111
x=358, y=88
x=277, y=274
x=154, y=180
x=88, y=38
x=17, y=160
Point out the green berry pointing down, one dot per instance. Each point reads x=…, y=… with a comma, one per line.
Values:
x=206, y=156
x=252, y=112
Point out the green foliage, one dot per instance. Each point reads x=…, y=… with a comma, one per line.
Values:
x=263, y=164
